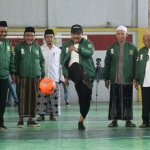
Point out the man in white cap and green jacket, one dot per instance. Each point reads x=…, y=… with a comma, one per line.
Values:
x=143, y=78
x=119, y=72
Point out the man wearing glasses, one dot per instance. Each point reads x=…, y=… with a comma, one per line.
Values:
x=30, y=67
x=78, y=65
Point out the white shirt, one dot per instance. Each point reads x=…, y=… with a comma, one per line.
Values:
x=146, y=82
x=74, y=56
x=52, y=62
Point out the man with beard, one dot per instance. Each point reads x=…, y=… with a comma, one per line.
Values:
x=50, y=104
x=119, y=70
x=30, y=67
x=6, y=68
x=78, y=65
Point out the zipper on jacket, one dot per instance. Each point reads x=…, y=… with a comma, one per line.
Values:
x=31, y=60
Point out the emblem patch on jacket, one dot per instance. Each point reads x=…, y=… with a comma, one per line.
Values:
x=141, y=57
x=112, y=51
x=67, y=49
x=89, y=46
x=130, y=52
x=8, y=48
x=37, y=52
x=22, y=51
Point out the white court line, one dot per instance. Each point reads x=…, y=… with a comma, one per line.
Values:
x=82, y=139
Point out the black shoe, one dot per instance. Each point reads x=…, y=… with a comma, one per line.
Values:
x=67, y=104
x=3, y=127
x=144, y=125
x=52, y=119
x=86, y=80
x=113, y=124
x=130, y=124
x=16, y=104
x=20, y=124
x=81, y=126
x=33, y=124
x=41, y=118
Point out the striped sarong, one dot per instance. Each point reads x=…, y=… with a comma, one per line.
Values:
x=27, y=96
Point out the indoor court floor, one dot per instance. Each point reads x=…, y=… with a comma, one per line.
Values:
x=64, y=135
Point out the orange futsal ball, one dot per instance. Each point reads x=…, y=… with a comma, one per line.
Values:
x=47, y=86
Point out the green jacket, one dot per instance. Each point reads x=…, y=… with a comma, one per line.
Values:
x=141, y=64
x=6, y=59
x=111, y=62
x=85, y=50
x=29, y=64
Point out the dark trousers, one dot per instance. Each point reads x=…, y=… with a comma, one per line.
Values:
x=84, y=93
x=145, y=104
x=3, y=97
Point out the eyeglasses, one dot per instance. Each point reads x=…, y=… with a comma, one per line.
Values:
x=76, y=34
x=29, y=35
x=147, y=40
x=3, y=31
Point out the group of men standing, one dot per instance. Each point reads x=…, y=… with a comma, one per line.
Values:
x=31, y=63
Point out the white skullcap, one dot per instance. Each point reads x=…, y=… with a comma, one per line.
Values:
x=121, y=27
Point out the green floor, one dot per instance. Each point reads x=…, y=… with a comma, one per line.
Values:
x=63, y=134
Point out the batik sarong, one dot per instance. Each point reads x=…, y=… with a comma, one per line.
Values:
x=49, y=103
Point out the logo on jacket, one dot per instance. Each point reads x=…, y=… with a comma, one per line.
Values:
x=22, y=51
x=89, y=46
x=112, y=51
x=8, y=48
x=130, y=52
x=141, y=57
x=67, y=49
x=37, y=52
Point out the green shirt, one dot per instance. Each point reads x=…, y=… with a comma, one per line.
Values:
x=6, y=59
x=141, y=64
x=29, y=62
x=85, y=50
x=129, y=62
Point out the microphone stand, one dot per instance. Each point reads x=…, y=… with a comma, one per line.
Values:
x=98, y=69
x=97, y=80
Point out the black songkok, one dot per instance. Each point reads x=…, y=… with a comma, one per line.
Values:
x=49, y=31
x=3, y=24
x=29, y=29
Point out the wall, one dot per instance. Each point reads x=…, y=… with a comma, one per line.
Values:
x=65, y=13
